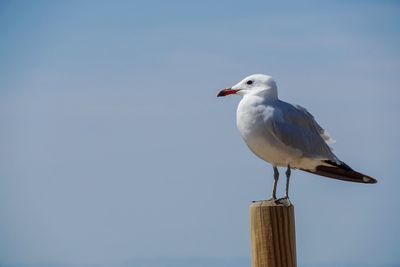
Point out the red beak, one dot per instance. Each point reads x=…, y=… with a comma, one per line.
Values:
x=227, y=91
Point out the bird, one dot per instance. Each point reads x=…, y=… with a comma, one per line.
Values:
x=285, y=135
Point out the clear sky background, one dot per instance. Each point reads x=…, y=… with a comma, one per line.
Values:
x=115, y=151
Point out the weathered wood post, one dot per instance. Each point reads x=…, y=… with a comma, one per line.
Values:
x=272, y=230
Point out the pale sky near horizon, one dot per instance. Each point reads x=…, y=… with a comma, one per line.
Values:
x=114, y=146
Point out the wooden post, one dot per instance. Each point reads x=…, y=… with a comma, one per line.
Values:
x=272, y=229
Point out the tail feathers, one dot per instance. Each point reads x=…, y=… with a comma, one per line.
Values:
x=341, y=171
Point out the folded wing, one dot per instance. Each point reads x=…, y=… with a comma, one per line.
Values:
x=296, y=128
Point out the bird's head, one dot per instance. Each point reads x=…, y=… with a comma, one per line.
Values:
x=256, y=84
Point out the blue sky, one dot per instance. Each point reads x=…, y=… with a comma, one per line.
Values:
x=114, y=148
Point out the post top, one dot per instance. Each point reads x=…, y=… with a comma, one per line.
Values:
x=271, y=203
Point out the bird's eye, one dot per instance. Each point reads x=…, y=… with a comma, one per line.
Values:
x=250, y=82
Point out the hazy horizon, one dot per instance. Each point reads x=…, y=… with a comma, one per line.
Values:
x=193, y=262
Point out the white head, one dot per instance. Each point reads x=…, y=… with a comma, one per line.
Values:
x=256, y=84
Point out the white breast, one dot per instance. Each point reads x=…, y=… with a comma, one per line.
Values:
x=254, y=119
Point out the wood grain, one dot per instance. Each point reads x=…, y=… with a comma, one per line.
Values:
x=272, y=230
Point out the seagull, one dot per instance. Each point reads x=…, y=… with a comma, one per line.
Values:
x=285, y=135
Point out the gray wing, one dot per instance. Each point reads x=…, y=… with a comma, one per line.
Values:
x=296, y=128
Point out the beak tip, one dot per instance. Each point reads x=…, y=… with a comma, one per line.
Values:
x=227, y=91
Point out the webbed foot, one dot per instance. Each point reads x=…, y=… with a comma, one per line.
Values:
x=284, y=201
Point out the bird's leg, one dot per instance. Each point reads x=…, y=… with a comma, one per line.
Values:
x=276, y=177
x=285, y=200
x=288, y=172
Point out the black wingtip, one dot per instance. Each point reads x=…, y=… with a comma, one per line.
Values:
x=342, y=171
